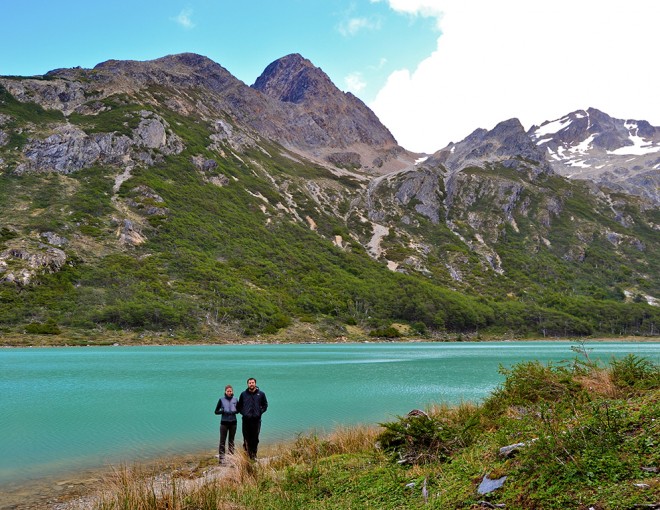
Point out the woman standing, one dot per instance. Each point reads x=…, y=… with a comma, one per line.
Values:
x=227, y=408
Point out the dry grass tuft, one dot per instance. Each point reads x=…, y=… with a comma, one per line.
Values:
x=140, y=488
x=353, y=439
x=245, y=470
x=599, y=382
x=453, y=413
x=309, y=448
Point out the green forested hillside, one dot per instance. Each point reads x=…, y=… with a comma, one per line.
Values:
x=229, y=245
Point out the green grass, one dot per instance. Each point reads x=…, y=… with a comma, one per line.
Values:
x=121, y=116
x=26, y=112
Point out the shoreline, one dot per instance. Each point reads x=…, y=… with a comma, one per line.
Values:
x=58, y=490
x=77, y=489
x=366, y=340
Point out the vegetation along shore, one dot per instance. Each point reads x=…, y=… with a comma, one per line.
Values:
x=296, y=332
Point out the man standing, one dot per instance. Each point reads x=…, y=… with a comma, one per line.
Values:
x=252, y=404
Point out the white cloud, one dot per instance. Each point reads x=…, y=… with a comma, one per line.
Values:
x=425, y=8
x=535, y=61
x=352, y=26
x=355, y=82
x=184, y=19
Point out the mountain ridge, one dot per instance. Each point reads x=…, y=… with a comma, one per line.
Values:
x=589, y=144
x=171, y=195
x=358, y=140
x=330, y=137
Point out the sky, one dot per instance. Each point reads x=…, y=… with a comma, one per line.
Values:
x=432, y=70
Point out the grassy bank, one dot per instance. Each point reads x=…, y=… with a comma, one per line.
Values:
x=581, y=435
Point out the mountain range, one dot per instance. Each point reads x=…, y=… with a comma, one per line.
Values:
x=168, y=195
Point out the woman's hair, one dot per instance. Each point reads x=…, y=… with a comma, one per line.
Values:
x=229, y=386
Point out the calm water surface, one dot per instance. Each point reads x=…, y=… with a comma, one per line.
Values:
x=63, y=409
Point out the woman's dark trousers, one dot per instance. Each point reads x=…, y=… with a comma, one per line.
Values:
x=227, y=431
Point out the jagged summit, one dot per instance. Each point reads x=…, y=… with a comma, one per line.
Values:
x=506, y=143
x=601, y=131
x=328, y=118
x=292, y=79
x=589, y=144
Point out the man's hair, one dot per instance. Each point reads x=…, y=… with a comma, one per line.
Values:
x=251, y=379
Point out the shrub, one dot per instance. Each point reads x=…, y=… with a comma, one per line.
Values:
x=388, y=332
x=47, y=328
x=419, y=438
x=531, y=383
x=634, y=372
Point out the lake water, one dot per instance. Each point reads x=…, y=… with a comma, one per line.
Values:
x=65, y=409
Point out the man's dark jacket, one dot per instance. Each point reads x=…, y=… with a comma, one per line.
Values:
x=252, y=405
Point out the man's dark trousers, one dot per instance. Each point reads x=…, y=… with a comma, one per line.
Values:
x=251, y=429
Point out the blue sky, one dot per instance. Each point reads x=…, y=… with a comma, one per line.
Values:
x=432, y=70
x=353, y=41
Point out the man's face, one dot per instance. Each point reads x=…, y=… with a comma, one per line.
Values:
x=252, y=384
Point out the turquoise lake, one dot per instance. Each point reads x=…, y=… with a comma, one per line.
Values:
x=66, y=409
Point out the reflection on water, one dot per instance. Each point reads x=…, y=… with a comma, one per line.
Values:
x=76, y=408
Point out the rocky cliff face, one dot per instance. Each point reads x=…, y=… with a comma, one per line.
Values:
x=70, y=149
x=343, y=119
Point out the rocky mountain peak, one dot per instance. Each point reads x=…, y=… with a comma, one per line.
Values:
x=589, y=144
x=188, y=61
x=601, y=131
x=183, y=69
x=294, y=79
x=506, y=143
x=336, y=125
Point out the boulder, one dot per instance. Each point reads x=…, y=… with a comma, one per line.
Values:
x=489, y=485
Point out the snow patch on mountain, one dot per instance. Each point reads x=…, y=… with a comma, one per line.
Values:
x=640, y=146
x=552, y=127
